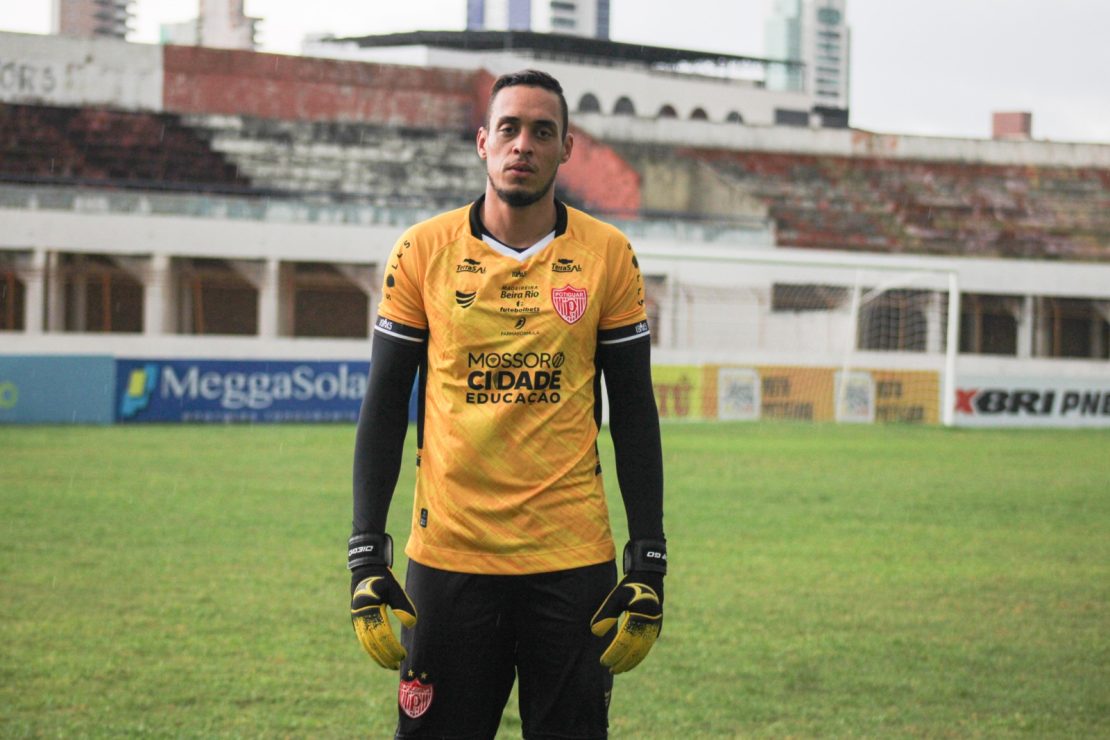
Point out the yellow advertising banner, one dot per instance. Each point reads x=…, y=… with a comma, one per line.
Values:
x=907, y=395
x=818, y=394
x=679, y=391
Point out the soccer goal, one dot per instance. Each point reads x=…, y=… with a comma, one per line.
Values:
x=803, y=334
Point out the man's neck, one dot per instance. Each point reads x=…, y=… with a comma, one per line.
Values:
x=518, y=227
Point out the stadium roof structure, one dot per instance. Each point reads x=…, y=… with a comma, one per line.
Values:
x=548, y=44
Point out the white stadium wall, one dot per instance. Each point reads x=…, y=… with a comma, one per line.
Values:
x=721, y=350
x=648, y=90
x=842, y=142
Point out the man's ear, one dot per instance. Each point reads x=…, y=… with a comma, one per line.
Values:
x=568, y=144
x=481, y=141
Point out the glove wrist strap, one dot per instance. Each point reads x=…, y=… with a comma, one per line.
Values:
x=369, y=549
x=646, y=555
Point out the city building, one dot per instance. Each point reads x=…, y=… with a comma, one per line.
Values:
x=92, y=18
x=222, y=24
x=569, y=17
x=815, y=33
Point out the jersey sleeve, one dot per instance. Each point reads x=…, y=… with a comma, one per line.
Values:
x=402, y=305
x=623, y=317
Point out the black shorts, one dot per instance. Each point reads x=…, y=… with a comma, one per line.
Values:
x=475, y=633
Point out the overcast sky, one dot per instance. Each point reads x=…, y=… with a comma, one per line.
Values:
x=935, y=67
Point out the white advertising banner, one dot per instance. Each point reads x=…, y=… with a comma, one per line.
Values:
x=990, y=401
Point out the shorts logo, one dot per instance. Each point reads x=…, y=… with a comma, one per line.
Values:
x=414, y=697
x=569, y=302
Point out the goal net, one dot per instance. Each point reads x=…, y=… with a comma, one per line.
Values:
x=793, y=334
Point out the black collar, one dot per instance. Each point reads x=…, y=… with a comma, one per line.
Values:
x=477, y=228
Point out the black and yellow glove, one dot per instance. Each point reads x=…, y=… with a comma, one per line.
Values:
x=639, y=596
x=373, y=588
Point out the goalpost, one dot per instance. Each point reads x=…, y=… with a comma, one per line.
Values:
x=806, y=334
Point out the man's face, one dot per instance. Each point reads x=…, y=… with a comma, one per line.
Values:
x=523, y=146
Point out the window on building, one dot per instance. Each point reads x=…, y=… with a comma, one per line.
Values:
x=989, y=324
x=12, y=298
x=326, y=303
x=589, y=103
x=699, y=114
x=786, y=117
x=563, y=5
x=558, y=22
x=734, y=117
x=100, y=296
x=667, y=111
x=1073, y=327
x=624, y=107
x=217, y=299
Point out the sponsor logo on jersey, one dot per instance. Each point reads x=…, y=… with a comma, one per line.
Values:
x=565, y=265
x=415, y=697
x=518, y=329
x=514, y=377
x=569, y=302
x=469, y=265
x=466, y=300
x=520, y=273
x=520, y=297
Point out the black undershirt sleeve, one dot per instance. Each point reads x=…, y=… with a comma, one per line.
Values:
x=634, y=426
x=382, y=424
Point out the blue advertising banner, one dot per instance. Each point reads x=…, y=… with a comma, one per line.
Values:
x=238, y=391
x=56, y=389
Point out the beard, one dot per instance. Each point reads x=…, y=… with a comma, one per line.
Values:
x=523, y=198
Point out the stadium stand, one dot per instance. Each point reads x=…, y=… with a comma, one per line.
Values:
x=950, y=208
x=106, y=147
x=380, y=165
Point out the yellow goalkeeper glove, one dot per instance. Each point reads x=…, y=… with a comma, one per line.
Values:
x=639, y=597
x=373, y=588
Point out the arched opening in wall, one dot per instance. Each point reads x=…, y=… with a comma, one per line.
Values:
x=217, y=299
x=589, y=103
x=99, y=295
x=734, y=117
x=12, y=298
x=624, y=107
x=327, y=303
x=699, y=114
x=667, y=111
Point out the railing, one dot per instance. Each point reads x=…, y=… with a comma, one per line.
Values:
x=326, y=208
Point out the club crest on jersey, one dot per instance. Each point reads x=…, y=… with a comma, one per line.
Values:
x=569, y=302
x=414, y=697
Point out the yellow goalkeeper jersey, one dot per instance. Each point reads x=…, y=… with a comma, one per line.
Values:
x=508, y=479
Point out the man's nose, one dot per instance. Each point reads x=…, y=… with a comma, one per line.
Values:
x=524, y=142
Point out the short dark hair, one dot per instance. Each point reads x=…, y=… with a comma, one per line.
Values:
x=529, y=78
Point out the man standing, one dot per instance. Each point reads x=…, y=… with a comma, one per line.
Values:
x=509, y=311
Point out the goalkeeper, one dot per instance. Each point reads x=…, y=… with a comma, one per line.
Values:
x=510, y=311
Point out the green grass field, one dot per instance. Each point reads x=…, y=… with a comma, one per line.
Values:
x=825, y=581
